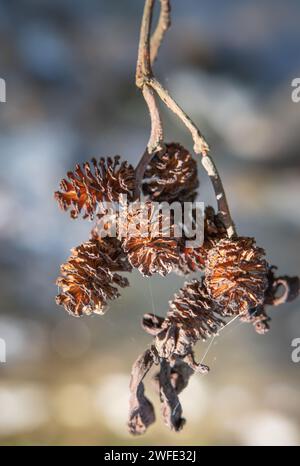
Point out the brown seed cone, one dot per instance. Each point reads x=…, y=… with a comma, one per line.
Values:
x=236, y=274
x=192, y=316
x=86, y=188
x=89, y=276
x=146, y=247
x=150, y=256
x=193, y=259
x=171, y=175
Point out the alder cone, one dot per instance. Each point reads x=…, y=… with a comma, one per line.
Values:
x=92, y=184
x=237, y=274
x=171, y=175
x=193, y=259
x=147, y=248
x=192, y=316
x=152, y=255
x=89, y=277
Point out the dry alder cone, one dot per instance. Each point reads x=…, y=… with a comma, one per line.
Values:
x=146, y=247
x=152, y=255
x=237, y=274
x=171, y=175
x=192, y=316
x=89, y=277
x=193, y=259
x=90, y=185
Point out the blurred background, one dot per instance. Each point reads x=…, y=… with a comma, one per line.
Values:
x=69, y=68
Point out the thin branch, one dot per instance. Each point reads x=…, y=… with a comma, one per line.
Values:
x=145, y=78
x=222, y=202
x=163, y=25
x=156, y=137
x=155, y=143
x=200, y=147
x=144, y=72
x=143, y=67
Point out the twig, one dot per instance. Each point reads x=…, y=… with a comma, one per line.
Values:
x=200, y=147
x=149, y=46
x=163, y=25
x=145, y=79
x=144, y=71
x=143, y=66
x=156, y=136
x=155, y=142
x=222, y=202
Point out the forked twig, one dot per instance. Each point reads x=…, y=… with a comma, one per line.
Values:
x=145, y=79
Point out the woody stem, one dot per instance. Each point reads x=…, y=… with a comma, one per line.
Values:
x=200, y=147
x=146, y=81
x=144, y=72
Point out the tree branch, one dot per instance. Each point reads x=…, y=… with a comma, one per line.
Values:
x=144, y=72
x=163, y=25
x=144, y=80
x=143, y=66
x=200, y=147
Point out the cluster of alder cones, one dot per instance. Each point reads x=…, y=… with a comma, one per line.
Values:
x=236, y=279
